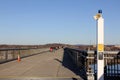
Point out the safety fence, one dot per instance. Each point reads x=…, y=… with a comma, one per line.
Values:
x=12, y=54
x=86, y=61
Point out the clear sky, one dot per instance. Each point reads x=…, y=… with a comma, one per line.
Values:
x=57, y=21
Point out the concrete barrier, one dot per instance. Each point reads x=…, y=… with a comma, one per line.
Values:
x=12, y=54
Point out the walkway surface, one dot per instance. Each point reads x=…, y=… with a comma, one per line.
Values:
x=45, y=65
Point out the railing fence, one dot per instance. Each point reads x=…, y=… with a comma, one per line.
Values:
x=87, y=60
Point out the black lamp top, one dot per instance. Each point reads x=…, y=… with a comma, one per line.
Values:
x=100, y=11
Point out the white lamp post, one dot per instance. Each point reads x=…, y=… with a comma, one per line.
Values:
x=100, y=45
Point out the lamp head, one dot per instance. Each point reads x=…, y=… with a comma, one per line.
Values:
x=98, y=15
x=100, y=11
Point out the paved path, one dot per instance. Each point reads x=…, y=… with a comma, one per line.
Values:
x=45, y=65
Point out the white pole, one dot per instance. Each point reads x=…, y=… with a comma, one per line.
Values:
x=100, y=45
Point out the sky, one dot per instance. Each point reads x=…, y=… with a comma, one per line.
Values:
x=37, y=22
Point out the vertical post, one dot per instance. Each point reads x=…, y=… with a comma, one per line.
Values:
x=13, y=55
x=6, y=55
x=100, y=45
x=77, y=58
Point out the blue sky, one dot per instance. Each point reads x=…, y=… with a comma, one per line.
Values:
x=57, y=21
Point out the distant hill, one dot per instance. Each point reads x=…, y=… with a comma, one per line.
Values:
x=78, y=46
x=32, y=46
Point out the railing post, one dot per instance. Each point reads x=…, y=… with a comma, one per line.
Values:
x=77, y=58
x=117, y=65
x=13, y=55
x=6, y=55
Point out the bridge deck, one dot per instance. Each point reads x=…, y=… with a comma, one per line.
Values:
x=49, y=64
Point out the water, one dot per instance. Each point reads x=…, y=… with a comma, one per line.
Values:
x=111, y=69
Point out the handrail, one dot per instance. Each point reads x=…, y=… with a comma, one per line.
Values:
x=88, y=59
x=6, y=49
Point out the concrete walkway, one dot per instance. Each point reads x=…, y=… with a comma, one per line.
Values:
x=45, y=65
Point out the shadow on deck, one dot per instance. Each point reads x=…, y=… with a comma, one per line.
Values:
x=68, y=63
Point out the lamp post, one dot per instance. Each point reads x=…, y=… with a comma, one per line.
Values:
x=100, y=45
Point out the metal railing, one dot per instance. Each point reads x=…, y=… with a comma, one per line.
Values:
x=112, y=65
x=87, y=60
x=79, y=58
x=12, y=54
